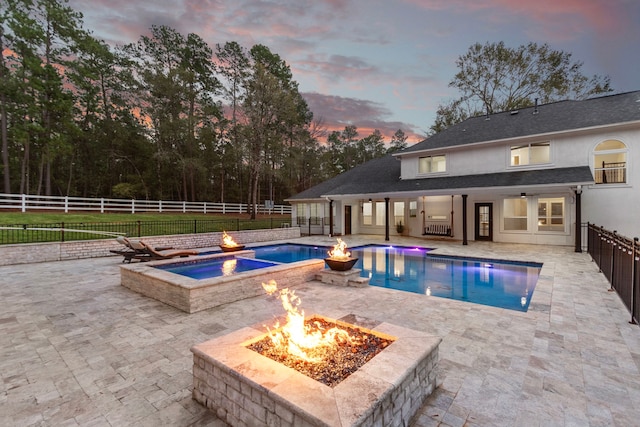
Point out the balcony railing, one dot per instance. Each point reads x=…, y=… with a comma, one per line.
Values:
x=611, y=173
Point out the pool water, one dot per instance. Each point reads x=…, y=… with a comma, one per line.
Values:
x=217, y=267
x=503, y=284
x=287, y=252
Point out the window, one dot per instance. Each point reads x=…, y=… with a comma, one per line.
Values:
x=398, y=213
x=551, y=214
x=301, y=213
x=379, y=213
x=515, y=214
x=530, y=154
x=610, y=162
x=413, y=208
x=432, y=164
x=317, y=213
x=367, y=213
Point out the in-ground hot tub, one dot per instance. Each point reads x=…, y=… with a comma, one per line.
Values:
x=192, y=295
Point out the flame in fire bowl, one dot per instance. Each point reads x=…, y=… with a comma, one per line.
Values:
x=243, y=386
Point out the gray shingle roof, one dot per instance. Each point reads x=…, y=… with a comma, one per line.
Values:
x=383, y=175
x=553, y=117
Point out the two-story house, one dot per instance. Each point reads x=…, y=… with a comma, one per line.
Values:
x=527, y=176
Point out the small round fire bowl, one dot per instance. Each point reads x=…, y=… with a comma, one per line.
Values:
x=231, y=248
x=340, y=264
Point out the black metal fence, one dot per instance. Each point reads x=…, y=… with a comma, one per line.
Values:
x=618, y=258
x=68, y=231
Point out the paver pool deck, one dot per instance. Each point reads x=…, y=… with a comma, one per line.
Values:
x=76, y=348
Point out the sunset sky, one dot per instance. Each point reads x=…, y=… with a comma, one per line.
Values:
x=386, y=64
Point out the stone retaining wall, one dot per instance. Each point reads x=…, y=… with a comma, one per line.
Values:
x=26, y=253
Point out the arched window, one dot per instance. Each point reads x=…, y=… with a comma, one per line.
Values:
x=610, y=162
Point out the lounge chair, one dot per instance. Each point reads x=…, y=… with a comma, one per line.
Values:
x=128, y=252
x=148, y=253
x=135, y=250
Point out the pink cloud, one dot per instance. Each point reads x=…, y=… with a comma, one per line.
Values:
x=336, y=112
x=602, y=15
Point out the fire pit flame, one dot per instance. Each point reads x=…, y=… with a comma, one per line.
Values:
x=298, y=339
x=228, y=240
x=339, y=251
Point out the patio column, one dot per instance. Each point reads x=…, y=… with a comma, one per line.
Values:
x=464, y=220
x=330, y=218
x=386, y=219
x=578, y=219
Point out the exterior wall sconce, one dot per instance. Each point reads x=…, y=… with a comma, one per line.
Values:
x=523, y=195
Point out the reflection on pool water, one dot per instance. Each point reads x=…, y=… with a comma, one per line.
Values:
x=499, y=283
x=502, y=284
x=216, y=267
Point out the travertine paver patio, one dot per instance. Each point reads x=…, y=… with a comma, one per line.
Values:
x=76, y=348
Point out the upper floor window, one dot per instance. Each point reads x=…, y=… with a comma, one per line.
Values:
x=530, y=154
x=432, y=164
x=610, y=162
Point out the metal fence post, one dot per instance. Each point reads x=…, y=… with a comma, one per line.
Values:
x=600, y=251
x=614, y=246
x=62, y=232
x=634, y=289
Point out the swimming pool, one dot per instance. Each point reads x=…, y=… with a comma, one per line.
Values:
x=216, y=267
x=503, y=284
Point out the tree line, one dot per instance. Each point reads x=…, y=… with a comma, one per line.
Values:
x=166, y=117
x=171, y=118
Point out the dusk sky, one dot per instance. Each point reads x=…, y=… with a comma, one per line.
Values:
x=386, y=64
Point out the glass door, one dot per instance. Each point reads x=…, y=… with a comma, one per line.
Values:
x=484, y=221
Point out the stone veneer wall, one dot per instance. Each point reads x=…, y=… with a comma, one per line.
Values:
x=191, y=295
x=26, y=253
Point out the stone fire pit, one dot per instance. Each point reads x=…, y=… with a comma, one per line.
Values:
x=245, y=388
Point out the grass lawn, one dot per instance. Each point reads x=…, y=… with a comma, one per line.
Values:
x=31, y=227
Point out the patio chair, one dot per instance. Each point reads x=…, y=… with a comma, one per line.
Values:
x=144, y=252
x=127, y=252
x=133, y=249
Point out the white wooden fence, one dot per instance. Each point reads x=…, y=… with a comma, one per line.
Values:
x=26, y=202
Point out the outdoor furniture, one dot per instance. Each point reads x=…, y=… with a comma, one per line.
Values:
x=144, y=252
x=135, y=249
x=128, y=252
